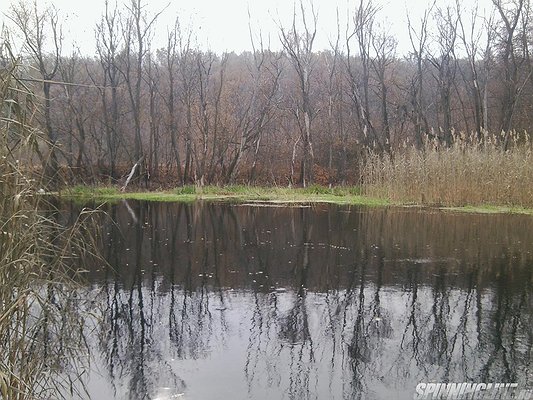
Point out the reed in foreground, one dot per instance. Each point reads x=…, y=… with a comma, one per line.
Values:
x=469, y=172
x=40, y=325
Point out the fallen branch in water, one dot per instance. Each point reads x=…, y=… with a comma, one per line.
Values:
x=130, y=210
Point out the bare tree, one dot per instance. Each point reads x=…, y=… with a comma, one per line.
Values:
x=384, y=46
x=470, y=37
x=332, y=59
x=153, y=81
x=361, y=30
x=170, y=61
x=299, y=47
x=188, y=84
x=109, y=46
x=266, y=110
x=137, y=30
x=42, y=36
x=255, y=109
x=510, y=14
x=419, y=41
x=209, y=92
x=76, y=110
x=445, y=66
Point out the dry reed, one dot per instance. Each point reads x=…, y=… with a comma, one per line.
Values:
x=469, y=172
x=40, y=321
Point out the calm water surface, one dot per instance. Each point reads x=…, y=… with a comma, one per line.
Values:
x=215, y=301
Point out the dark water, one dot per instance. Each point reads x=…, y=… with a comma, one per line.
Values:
x=211, y=301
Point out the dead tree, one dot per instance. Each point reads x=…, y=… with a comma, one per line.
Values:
x=137, y=31
x=445, y=66
x=298, y=44
x=470, y=36
x=510, y=14
x=209, y=92
x=41, y=31
x=76, y=110
x=331, y=60
x=152, y=78
x=384, y=46
x=256, y=108
x=419, y=41
x=109, y=46
x=358, y=70
x=188, y=82
x=170, y=60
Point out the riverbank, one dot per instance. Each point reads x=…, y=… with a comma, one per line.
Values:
x=279, y=195
x=236, y=193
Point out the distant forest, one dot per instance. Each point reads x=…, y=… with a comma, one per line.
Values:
x=296, y=116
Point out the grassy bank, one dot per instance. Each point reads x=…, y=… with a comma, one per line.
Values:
x=471, y=175
x=237, y=193
x=313, y=194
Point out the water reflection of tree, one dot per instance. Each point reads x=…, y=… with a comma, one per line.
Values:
x=371, y=325
x=358, y=349
x=294, y=326
x=274, y=334
x=189, y=316
x=127, y=330
x=262, y=349
x=509, y=343
x=441, y=322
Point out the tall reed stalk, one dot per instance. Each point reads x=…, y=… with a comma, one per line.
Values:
x=469, y=172
x=41, y=336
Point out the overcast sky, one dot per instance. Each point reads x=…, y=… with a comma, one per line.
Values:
x=222, y=25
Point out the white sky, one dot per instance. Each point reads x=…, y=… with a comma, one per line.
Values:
x=222, y=25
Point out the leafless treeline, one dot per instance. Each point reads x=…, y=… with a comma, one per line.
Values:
x=290, y=116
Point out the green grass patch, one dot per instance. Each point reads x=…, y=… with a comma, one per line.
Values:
x=491, y=209
x=316, y=189
x=234, y=193
x=242, y=193
x=185, y=190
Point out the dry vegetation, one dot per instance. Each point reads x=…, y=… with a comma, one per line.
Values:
x=470, y=172
x=40, y=335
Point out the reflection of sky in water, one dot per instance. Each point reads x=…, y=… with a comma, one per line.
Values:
x=333, y=305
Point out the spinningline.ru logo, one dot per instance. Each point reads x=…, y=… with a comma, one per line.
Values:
x=471, y=391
